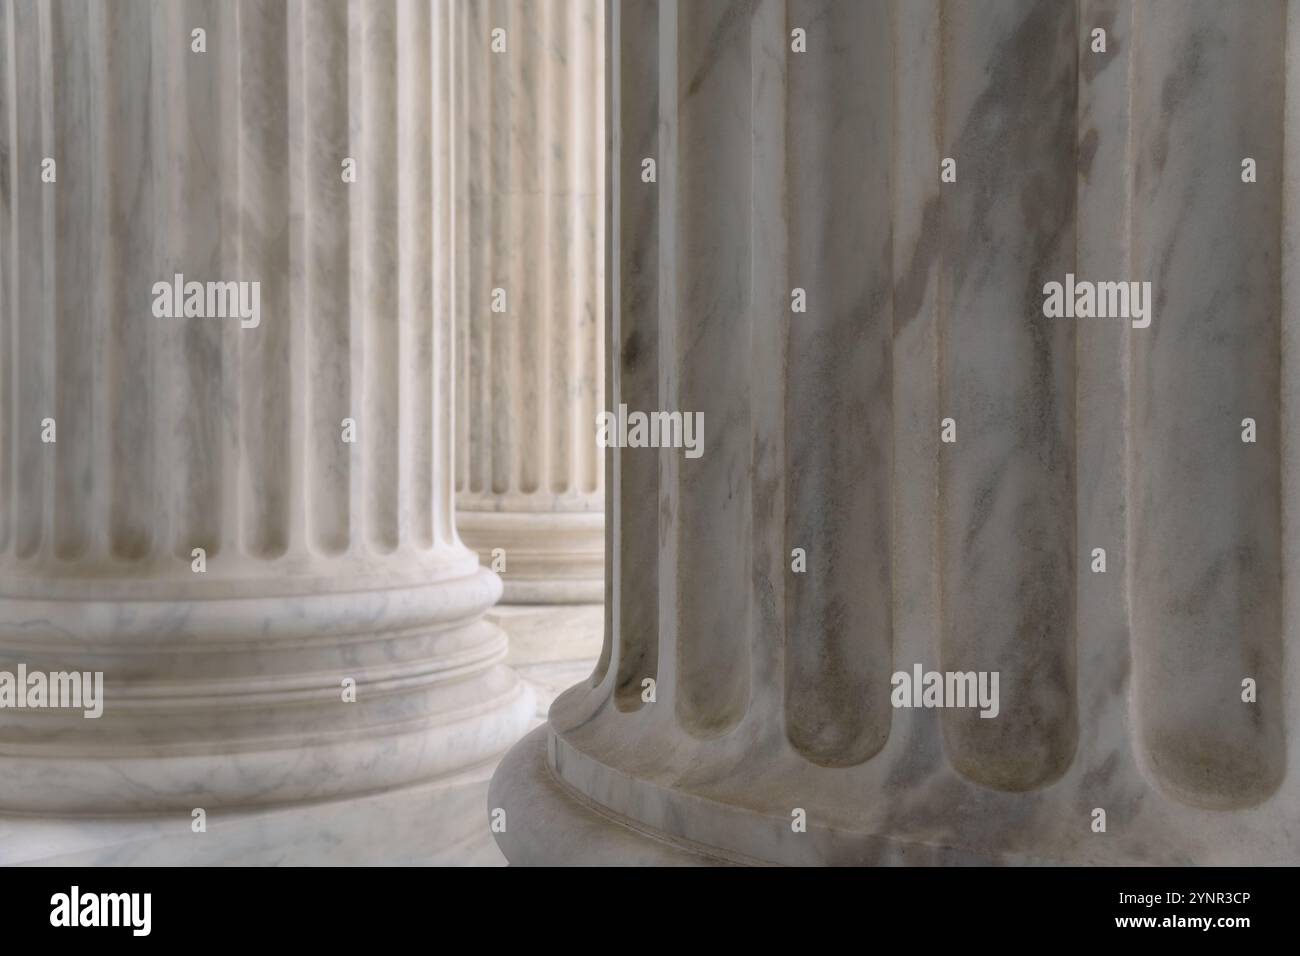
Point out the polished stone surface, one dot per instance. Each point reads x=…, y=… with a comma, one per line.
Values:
x=1121, y=690
x=530, y=477
x=310, y=456
x=552, y=646
x=438, y=823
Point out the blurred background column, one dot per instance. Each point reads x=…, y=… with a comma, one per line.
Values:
x=530, y=483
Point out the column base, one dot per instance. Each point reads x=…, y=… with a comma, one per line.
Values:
x=551, y=824
x=436, y=823
x=547, y=825
x=552, y=646
x=235, y=702
x=550, y=557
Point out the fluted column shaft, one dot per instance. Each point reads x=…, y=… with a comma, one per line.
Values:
x=308, y=148
x=947, y=458
x=530, y=487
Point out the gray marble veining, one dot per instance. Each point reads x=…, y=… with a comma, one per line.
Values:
x=1126, y=686
x=332, y=642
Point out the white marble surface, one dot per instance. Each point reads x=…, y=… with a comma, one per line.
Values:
x=1121, y=690
x=439, y=823
x=530, y=477
x=552, y=646
x=326, y=560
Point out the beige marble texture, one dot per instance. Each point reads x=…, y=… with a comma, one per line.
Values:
x=326, y=560
x=529, y=478
x=434, y=823
x=1121, y=690
x=552, y=646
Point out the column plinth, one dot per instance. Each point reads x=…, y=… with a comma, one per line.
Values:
x=551, y=557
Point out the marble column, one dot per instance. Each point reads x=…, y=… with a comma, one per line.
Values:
x=1104, y=531
x=530, y=486
x=246, y=526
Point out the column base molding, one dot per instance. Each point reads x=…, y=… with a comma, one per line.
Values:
x=549, y=825
x=568, y=805
x=439, y=823
x=235, y=703
x=550, y=557
x=552, y=646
